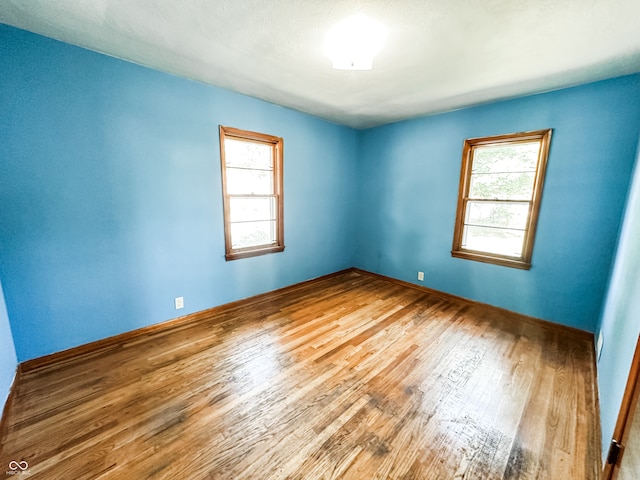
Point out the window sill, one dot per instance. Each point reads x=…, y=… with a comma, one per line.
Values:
x=494, y=259
x=253, y=252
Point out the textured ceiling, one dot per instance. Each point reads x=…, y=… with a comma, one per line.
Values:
x=440, y=54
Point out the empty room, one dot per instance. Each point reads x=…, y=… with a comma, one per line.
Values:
x=314, y=240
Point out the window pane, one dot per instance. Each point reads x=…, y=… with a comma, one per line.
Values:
x=251, y=234
x=242, y=181
x=251, y=209
x=509, y=186
x=247, y=154
x=497, y=214
x=517, y=157
x=493, y=240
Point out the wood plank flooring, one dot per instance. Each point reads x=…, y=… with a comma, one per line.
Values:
x=350, y=377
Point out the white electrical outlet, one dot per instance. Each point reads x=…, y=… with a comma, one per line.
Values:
x=421, y=276
x=179, y=303
x=599, y=346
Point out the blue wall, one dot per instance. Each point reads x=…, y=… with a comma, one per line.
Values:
x=111, y=195
x=620, y=323
x=409, y=174
x=8, y=360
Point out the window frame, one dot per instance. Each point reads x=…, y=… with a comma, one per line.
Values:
x=277, y=146
x=469, y=147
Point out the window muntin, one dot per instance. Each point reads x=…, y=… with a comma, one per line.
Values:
x=501, y=183
x=252, y=192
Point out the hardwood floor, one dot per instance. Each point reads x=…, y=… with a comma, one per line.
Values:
x=350, y=377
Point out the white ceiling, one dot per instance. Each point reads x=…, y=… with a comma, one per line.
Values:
x=440, y=54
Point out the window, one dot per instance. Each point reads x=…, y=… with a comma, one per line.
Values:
x=252, y=193
x=500, y=190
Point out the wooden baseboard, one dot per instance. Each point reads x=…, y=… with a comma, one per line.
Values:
x=117, y=341
x=588, y=336
x=9, y=402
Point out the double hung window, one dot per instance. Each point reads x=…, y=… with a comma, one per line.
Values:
x=501, y=183
x=252, y=192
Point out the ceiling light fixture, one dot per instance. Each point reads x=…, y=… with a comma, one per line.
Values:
x=352, y=43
